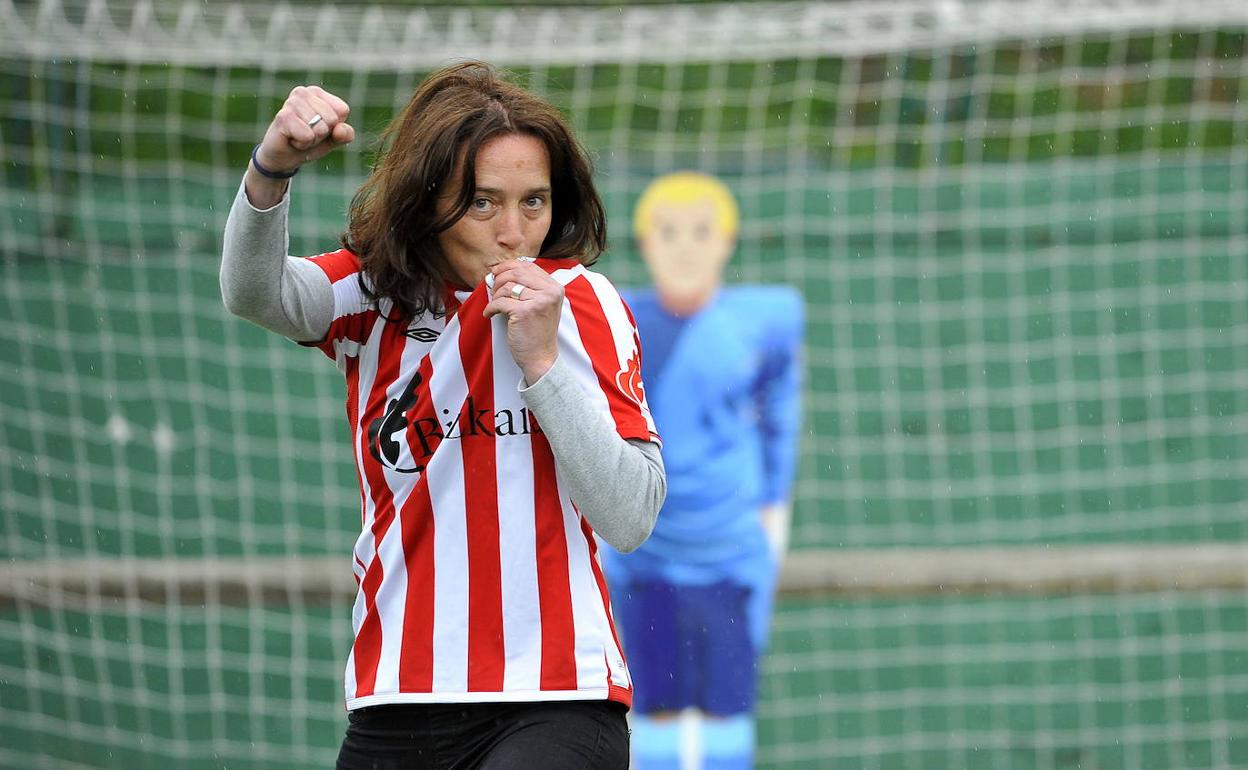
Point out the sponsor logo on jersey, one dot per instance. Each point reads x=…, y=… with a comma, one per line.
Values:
x=422, y=334
x=425, y=433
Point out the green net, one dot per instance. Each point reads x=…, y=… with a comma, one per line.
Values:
x=1020, y=230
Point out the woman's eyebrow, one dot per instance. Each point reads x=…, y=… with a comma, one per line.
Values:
x=496, y=191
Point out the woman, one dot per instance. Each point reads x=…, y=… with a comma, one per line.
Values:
x=497, y=418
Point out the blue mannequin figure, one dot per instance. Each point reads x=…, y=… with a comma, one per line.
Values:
x=722, y=371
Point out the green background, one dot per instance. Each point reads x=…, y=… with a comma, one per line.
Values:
x=1024, y=265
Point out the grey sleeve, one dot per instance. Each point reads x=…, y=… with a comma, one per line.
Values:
x=617, y=484
x=261, y=283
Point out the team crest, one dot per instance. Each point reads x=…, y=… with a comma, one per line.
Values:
x=629, y=382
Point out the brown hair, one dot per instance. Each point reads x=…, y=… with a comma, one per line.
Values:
x=393, y=223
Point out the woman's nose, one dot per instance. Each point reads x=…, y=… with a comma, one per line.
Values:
x=510, y=230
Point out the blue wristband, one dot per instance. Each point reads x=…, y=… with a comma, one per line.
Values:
x=264, y=172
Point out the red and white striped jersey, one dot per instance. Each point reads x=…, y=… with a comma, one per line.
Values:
x=478, y=579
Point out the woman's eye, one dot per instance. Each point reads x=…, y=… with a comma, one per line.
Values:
x=535, y=202
x=481, y=204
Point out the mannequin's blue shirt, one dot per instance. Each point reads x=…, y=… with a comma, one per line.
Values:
x=724, y=387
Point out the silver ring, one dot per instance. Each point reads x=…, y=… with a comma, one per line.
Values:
x=516, y=290
x=312, y=121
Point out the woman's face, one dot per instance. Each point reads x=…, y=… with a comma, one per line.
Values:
x=510, y=211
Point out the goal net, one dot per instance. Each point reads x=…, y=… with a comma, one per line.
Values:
x=1020, y=228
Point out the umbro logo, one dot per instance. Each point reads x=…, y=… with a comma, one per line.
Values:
x=421, y=334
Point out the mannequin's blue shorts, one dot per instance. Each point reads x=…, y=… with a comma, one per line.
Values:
x=688, y=645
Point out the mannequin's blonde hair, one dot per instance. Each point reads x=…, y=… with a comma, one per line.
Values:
x=684, y=187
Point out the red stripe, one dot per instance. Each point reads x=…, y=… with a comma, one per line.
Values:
x=486, y=653
x=620, y=695
x=599, y=343
x=337, y=264
x=554, y=589
x=551, y=265
x=368, y=641
x=354, y=327
x=416, y=521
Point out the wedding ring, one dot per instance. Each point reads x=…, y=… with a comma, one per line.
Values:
x=516, y=290
x=312, y=121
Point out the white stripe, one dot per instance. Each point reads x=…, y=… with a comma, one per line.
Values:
x=614, y=653
x=364, y=549
x=522, y=617
x=392, y=596
x=450, y=537
x=348, y=300
x=690, y=739
x=349, y=683
x=516, y=696
x=593, y=636
x=566, y=275
x=579, y=362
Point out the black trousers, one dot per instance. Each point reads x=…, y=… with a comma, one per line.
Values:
x=570, y=735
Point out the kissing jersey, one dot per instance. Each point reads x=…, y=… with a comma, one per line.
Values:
x=478, y=579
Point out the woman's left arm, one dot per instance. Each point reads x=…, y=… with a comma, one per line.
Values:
x=617, y=484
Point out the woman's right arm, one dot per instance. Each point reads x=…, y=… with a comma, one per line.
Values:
x=259, y=281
